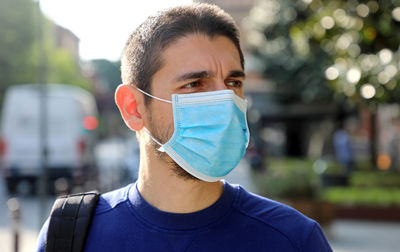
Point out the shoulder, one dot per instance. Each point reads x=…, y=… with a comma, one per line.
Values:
x=288, y=222
x=110, y=200
x=107, y=202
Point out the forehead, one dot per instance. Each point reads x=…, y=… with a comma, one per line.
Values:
x=196, y=52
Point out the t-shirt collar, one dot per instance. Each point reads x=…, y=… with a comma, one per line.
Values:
x=161, y=219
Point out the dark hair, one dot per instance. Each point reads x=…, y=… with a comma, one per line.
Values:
x=141, y=57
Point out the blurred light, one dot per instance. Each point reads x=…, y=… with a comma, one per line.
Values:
x=307, y=1
x=13, y=204
x=369, y=61
x=391, y=70
x=344, y=41
x=385, y=56
x=275, y=46
x=266, y=13
x=370, y=33
x=90, y=123
x=354, y=50
x=368, y=91
x=362, y=10
x=373, y=6
x=359, y=23
x=327, y=22
x=254, y=116
x=341, y=63
x=339, y=15
x=255, y=38
x=353, y=75
x=273, y=135
x=319, y=166
x=373, y=60
x=61, y=185
x=383, y=78
x=332, y=73
x=384, y=161
x=396, y=14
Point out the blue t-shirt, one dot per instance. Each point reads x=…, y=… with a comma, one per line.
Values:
x=238, y=221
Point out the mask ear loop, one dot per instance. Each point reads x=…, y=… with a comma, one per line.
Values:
x=146, y=130
x=155, y=140
x=152, y=96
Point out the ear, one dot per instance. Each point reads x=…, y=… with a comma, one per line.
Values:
x=126, y=98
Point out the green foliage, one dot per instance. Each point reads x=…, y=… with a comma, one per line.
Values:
x=354, y=196
x=287, y=178
x=369, y=188
x=375, y=179
x=17, y=41
x=63, y=69
x=351, y=44
x=28, y=53
x=295, y=65
x=328, y=167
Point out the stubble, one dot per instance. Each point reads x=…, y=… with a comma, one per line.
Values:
x=163, y=135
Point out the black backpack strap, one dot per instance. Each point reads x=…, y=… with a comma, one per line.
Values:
x=70, y=221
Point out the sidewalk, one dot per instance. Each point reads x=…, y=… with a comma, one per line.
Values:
x=27, y=240
x=364, y=236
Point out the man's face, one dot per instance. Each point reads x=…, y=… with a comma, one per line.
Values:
x=194, y=63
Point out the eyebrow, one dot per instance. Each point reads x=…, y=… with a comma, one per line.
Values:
x=207, y=74
x=194, y=75
x=237, y=73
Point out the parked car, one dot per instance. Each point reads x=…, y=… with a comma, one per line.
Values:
x=70, y=135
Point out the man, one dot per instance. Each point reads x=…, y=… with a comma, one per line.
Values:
x=183, y=74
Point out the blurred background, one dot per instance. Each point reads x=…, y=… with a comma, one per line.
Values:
x=323, y=89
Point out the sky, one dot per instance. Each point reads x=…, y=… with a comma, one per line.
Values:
x=103, y=26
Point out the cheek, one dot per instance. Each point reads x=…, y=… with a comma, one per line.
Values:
x=162, y=115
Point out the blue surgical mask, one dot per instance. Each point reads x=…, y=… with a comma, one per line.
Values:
x=210, y=133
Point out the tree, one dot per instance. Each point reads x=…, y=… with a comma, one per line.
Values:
x=17, y=42
x=294, y=63
x=354, y=45
x=28, y=53
x=63, y=69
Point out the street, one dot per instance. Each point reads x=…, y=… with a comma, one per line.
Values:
x=31, y=210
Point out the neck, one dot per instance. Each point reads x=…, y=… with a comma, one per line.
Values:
x=163, y=189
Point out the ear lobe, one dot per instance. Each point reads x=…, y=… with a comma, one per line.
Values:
x=128, y=106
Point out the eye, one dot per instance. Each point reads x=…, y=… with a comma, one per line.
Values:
x=234, y=83
x=192, y=84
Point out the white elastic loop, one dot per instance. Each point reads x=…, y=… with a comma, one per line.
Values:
x=152, y=96
x=155, y=140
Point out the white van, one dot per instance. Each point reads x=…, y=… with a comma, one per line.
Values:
x=71, y=120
